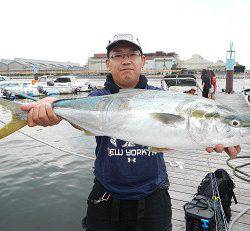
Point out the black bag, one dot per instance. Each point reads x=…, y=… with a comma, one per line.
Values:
x=225, y=187
x=199, y=214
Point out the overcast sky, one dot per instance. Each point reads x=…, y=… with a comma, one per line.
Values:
x=74, y=30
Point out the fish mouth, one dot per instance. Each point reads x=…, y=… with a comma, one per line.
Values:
x=245, y=132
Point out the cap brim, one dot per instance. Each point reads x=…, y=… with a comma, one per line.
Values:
x=113, y=44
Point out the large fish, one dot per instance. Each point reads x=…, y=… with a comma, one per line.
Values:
x=154, y=118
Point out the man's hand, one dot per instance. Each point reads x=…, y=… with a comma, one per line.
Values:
x=41, y=113
x=231, y=151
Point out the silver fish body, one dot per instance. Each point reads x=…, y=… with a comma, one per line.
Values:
x=157, y=118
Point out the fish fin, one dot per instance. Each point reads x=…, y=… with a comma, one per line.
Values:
x=198, y=113
x=167, y=118
x=14, y=125
x=154, y=149
x=17, y=121
x=86, y=132
x=203, y=114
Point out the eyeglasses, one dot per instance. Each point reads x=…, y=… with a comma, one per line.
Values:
x=118, y=57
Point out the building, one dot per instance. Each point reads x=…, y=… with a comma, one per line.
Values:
x=160, y=60
x=19, y=64
x=97, y=62
x=154, y=61
x=4, y=64
x=219, y=66
x=195, y=63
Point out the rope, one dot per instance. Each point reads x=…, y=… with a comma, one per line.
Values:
x=237, y=217
x=52, y=146
x=221, y=223
x=236, y=168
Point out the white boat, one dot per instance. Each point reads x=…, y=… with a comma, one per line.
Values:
x=4, y=78
x=70, y=80
x=56, y=90
x=184, y=83
x=4, y=81
x=64, y=85
x=15, y=89
x=246, y=94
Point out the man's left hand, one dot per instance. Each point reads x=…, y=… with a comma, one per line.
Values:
x=231, y=151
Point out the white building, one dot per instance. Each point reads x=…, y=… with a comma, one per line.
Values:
x=218, y=66
x=196, y=62
x=97, y=63
x=154, y=61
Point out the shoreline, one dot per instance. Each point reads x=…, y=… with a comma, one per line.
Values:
x=218, y=76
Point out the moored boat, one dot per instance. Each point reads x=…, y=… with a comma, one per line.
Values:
x=181, y=83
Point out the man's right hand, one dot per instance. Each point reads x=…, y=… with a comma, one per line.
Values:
x=41, y=113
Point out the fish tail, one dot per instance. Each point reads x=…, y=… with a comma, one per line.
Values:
x=18, y=120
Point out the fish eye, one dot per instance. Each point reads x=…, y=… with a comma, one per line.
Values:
x=235, y=123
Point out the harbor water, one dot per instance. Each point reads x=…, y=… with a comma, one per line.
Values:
x=46, y=174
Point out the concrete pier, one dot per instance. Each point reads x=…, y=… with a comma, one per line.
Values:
x=196, y=164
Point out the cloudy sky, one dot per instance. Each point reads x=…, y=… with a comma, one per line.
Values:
x=73, y=30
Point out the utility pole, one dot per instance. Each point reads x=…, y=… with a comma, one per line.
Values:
x=230, y=69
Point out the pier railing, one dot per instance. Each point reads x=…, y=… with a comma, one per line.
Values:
x=82, y=72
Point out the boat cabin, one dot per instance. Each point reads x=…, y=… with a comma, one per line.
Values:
x=180, y=83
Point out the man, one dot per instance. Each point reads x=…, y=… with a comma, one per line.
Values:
x=130, y=191
x=206, y=83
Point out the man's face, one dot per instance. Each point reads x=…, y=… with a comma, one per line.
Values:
x=125, y=63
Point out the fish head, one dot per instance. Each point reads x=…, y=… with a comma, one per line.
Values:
x=239, y=122
x=214, y=124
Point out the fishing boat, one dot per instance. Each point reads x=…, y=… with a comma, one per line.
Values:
x=56, y=90
x=185, y=83
x=64, y=85
x=4, y=78
x=12, y=90
x=70, y=80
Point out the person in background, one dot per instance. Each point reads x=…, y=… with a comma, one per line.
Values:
x=129, y=192
x=206, y=83
x=191, y=91
x=213, y=83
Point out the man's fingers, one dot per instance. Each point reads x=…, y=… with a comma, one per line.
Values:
x=54, y=119
x=231, y=151
x=30, y=118
x=41, y=113
x=35, y=115
x=209, y=149
x=42, y=116
x=238, y=148
x=27, y=107
x=219, y=148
